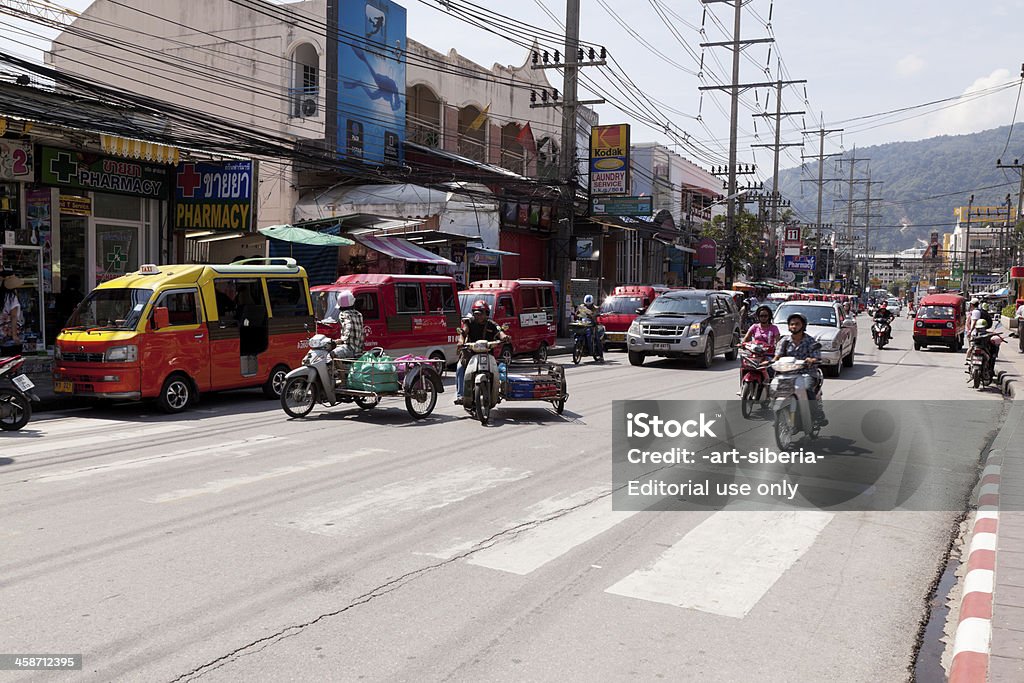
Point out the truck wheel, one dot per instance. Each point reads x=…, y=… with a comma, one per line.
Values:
x=734, y=351
x=541, y=355
x=176, y=394
x=709, y=353
x=636, y=357
x=848, y=359
x=506, y=355
x=917, y=347
x=441, y=363
x=274, y=385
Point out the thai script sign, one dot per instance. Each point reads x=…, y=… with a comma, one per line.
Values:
x=609, y=159
x=213, y=196
x=89, y=171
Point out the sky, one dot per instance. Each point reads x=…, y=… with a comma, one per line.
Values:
x=859, y=59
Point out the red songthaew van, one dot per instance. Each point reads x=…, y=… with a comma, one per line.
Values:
x=618, y=311
x=526, y=305
x=941, y=320
x=404, y=314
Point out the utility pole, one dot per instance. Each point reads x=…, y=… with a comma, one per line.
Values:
x=867, y=216
x=566, y=223
x=736, y=45
x=775, y=200
x=822, y=132
x=967, y=247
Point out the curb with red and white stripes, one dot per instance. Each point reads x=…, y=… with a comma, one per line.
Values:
x=972, y=643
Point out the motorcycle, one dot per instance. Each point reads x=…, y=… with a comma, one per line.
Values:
x=979, y=361
x=754, y=364
x=16, y=395
x=323, y=378
x=791, y=406
x=881, y=332
x=481, y=388
x=587, y=338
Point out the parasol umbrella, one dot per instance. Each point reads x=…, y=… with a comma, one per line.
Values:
x=290, y=233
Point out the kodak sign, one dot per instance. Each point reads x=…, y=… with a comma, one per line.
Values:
x=609, y=160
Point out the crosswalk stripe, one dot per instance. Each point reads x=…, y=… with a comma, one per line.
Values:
x=74, y=440
x=236, y=448
x=533, y=514
x=727, y=563
x=534, y=548
x=410, y=495
x=221, y=485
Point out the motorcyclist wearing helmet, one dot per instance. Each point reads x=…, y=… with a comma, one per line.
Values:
x=973, y=314
x=476, y=327
x=802, y=346
x=588, y=311
x=882, y=315
x=985, y=337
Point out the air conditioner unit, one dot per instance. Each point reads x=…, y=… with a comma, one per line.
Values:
x=308, y=106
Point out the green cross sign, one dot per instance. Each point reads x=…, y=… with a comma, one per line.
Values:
x=64, y=167
x=116, y=259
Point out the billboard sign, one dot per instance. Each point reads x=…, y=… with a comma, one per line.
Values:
x=213, y=196
x=609, y=159
x=802, y=263
x=707, y=252
x=621, y=206
x=371, y=81
x=89, y=171
x=16, y=160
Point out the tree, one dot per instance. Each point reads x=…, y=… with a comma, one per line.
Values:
x=747, y=249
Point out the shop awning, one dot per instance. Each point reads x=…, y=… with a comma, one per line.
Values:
x=139, y=149
x=396, y=247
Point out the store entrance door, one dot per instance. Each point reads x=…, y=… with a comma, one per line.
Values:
x=27, y=264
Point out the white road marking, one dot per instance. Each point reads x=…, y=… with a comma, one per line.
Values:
x=221, y=485
x=407, y=496
x=532, y=549
x=209, y=450
x=536, y=512
x=51, y=442
x=728, y=562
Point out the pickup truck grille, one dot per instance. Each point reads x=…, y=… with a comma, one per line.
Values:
x=656, y=330
x=83, y=357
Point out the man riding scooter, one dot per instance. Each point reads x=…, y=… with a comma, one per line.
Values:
x=587, y=312
x=801, y=346
x=882, y=316
x=476, y=327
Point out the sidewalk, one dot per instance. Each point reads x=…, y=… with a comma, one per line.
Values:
x=39, y=370
x=989, y=641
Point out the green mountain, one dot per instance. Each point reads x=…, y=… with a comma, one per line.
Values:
x=922, y=183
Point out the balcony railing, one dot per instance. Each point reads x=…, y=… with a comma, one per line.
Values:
x=303, y=103
x=513, y=161
x=472, y=149
x=423, y=131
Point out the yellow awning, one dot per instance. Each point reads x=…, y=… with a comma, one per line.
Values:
x=138, y=149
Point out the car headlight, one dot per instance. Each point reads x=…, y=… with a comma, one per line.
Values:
x=949, y=326
x=122, y=354
x=634, y=328
x=695, y=330
x=827, y=344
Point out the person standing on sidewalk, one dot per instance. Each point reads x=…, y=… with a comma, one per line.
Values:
x=1019, y=315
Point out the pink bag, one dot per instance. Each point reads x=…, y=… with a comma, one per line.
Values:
x=402, y=364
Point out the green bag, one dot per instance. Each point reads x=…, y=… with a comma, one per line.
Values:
x=374, y=371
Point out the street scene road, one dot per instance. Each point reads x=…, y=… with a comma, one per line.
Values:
x=233, y=543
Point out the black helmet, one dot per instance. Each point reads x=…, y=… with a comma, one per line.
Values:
x=767, y=309
x=799, y=316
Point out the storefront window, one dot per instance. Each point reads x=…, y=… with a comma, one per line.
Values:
x=27, y=270
x=117, y=251
x=117, y=206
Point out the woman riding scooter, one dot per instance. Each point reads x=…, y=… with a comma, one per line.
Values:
x=476, y=327
x=801, y=346
x=764, y=333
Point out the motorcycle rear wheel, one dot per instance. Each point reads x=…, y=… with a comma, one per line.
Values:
x=976, y=377
x=298, y=396
x=577, y=352
x=16, y=410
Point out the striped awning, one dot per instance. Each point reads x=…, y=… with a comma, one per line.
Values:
x=396, y=247
x=139, y=149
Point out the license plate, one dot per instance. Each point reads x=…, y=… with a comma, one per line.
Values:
x=63, y=387
x=661, y=347
x=23, y=382
x=934, y=333
x=615, y=336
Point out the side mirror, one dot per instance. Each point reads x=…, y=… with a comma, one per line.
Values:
x=719, y=314
x=641, y=310
x=161, y=317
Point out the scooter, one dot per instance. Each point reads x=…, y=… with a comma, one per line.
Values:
x=754, y=364
x=791, y=406
x=16, y=395
x=587, y=338
x=881, y=332
x=979, y=361
x=482, y=383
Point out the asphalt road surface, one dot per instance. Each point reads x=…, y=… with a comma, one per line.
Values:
x=232, y=543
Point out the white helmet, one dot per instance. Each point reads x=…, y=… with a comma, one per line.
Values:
x=588, y=299
x=975, y=301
